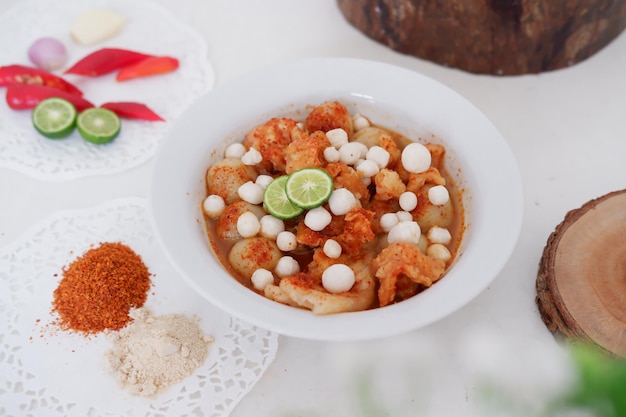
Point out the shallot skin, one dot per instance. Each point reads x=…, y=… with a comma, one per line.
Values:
x=48, y=54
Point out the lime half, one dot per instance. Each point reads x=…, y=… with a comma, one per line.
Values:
x=98, y=125
x=309, y=187
x=54, y=118
x=276, y=202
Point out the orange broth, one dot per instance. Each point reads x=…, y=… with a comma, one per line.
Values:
x=304, y=256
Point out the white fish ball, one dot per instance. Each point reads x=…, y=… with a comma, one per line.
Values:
x=287, y=266
x=251, y=157
x=367, y=168
x=404, y=216
x=317, y=219
x=263, y=180
x=416, y=158
x=438, y=195
x=341, y=201
x=331, y=154
x=438, y=251
x=235, y=150
x=271, y=226
x=351, y=152
x=250, y=192
x=337, y=137
x=359, y=122
x=213, y=206
x=379, y=155
x=405, y=232
x=248, y=224
x=408, y=201
x=261, y=278
x=286, y=241
x=438, y=234
x=332, y=249
x=388, y=220
x=338, y=278
x=362, y=150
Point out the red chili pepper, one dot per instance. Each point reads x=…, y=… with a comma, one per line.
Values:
x=27, y=96
x=21, y=74
x=150, y=66
x=132, y=110
x=106, y=60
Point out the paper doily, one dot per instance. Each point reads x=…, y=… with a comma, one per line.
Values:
x=45, y=371
x=149, y=28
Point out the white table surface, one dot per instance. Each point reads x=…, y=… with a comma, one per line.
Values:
x=567, y=129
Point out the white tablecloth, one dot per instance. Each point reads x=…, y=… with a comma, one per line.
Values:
x=567, y=129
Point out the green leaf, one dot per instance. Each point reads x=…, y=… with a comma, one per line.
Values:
x=602, y=382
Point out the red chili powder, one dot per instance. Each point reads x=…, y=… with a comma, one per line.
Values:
x=99, y=288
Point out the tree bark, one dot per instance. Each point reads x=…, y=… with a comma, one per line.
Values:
x=581, y=282
x=504, y=37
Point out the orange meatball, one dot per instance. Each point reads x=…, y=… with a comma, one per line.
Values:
x=271, y=139
x=328, y=116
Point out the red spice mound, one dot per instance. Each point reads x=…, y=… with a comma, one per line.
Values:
x=99, y=288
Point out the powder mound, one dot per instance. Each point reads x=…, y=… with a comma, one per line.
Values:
x=155, y=352
x=99, y=288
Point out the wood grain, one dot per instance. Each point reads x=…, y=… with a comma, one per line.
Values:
x=581, y=282
x=504, y=37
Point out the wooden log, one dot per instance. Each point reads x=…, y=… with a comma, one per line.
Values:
x=581, y=282
x=505, y=37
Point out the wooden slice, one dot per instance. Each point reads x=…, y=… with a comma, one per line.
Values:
x=581, y=283
x=491, y=36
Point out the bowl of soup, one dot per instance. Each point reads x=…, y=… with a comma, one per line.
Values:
x=336, y=199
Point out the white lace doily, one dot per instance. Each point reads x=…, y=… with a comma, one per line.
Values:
x=45, y=371
x=149, y=28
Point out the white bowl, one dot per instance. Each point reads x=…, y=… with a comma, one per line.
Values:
x=477, y=156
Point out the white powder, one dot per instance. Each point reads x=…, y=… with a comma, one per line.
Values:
x=154, y=352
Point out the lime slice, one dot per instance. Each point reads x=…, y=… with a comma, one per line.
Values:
x=54, y=118
x=98, y=125
x=309, y=187
x=276, y=202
